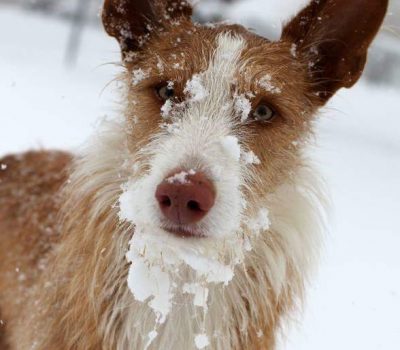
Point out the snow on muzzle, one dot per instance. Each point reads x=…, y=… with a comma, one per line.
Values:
x=185, y=198
x=194, y=181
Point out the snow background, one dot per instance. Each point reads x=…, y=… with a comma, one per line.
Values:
x=354, y=301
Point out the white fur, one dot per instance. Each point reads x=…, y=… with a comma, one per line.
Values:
x=291, y=243
x=279, y=257
x=198, y=144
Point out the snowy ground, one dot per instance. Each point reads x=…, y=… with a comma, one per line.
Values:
x=355, y=301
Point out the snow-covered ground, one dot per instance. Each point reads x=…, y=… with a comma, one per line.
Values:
x=354, y=302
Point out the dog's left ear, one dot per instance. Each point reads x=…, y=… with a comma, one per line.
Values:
x=132, y=22
x=333, y=37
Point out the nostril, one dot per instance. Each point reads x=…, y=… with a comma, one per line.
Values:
x=194, y=206
x=165, y=201
x=185, y=202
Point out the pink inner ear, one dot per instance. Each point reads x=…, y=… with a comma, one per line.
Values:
x=334, y=35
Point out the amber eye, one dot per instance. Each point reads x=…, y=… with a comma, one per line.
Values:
x=166, y=91
x=264, y=113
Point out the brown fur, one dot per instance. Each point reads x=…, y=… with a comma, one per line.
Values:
x=57, y=246
x=29, y=205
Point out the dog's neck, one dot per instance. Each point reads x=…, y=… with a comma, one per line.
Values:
x=247, y=311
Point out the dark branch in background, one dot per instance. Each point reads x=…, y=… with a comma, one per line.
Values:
x=216, y=14
x=75, y=37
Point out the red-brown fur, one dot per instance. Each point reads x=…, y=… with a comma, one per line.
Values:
x=55, y=252
x=29, y=205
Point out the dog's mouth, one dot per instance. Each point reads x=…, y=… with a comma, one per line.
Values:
x=184, y=231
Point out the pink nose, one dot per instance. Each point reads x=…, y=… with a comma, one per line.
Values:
x=185, y=197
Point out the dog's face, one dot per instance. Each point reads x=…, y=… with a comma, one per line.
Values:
x=222, y=103
x=218, y=114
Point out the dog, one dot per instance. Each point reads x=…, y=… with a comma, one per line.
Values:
x=194, y=220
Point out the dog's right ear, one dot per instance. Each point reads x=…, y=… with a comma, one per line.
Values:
x=132, y=22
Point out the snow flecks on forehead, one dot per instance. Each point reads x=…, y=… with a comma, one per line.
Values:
x=267, y=84
x=195, y=89
x=211, y=88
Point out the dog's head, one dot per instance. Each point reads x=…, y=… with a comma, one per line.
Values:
x=219, y=114
x=209, y=157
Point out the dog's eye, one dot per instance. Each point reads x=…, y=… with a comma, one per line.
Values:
x=264, y=113
x=165, y=92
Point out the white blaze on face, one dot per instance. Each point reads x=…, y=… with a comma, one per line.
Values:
x=203, y=140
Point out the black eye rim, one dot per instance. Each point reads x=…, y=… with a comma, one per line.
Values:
x=269, y=107
x=165, y=85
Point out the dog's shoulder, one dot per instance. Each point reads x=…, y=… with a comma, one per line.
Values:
x=30, y=199
x=28, y=177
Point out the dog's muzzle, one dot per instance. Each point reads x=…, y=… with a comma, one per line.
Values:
x=185, y=198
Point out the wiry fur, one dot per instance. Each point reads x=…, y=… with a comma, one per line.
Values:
x=196, y=145
x=267, y=285
x=68, y=246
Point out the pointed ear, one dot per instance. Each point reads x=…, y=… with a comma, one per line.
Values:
x=333, y=37
x=132, y=21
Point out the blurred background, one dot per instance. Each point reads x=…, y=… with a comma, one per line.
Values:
x=56, y=69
